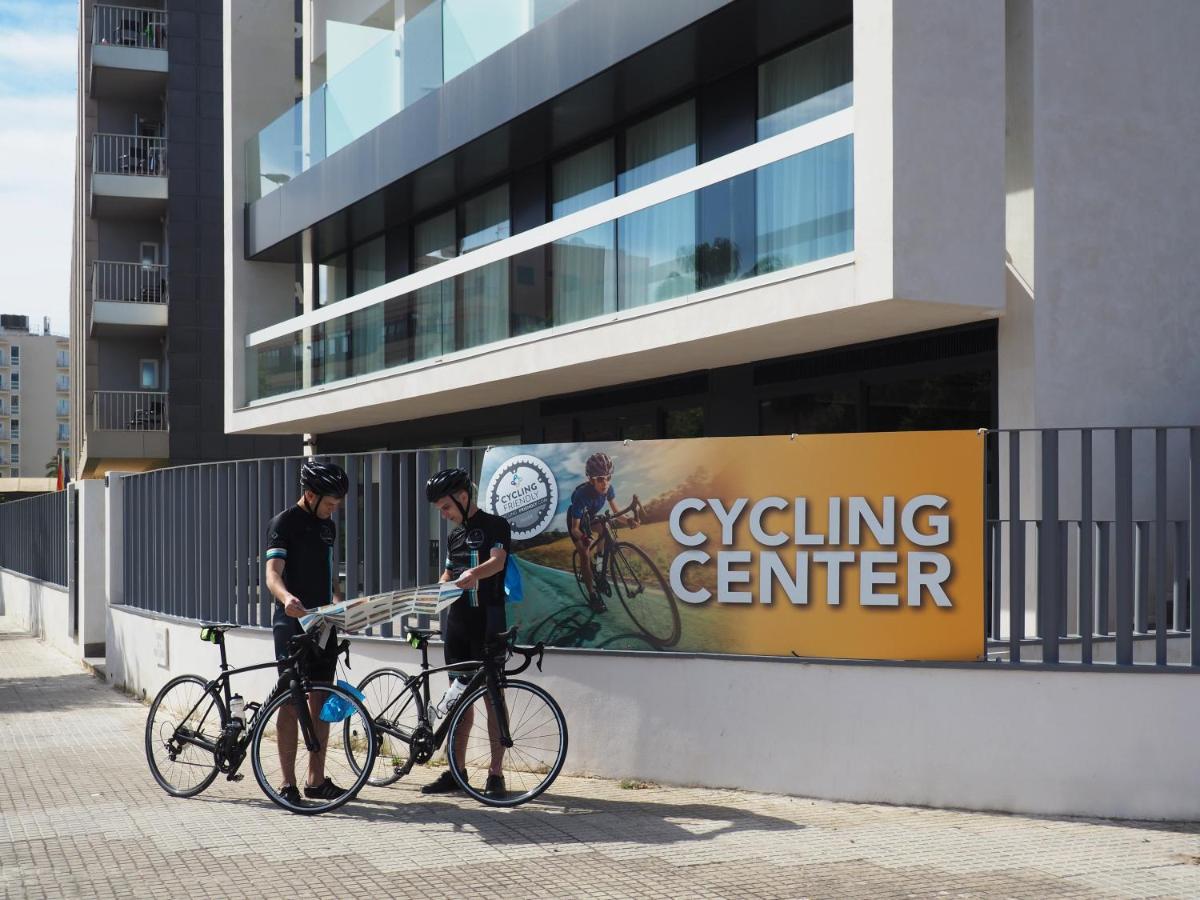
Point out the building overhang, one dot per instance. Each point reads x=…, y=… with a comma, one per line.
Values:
x=782, y=314
x=118, y=72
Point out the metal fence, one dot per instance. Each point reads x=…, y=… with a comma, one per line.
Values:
x=1090, y=542
x=129, y=411
x=129, y=154
x=128, y=282
x=33, y=537
x=129, y=26
x=195, y=535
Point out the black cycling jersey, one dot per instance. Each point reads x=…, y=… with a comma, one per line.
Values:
x=469, y=628
x=471, y=544
x=305, y=544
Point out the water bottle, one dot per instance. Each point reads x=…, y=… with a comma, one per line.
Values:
x=452, y=693
x=237, y=712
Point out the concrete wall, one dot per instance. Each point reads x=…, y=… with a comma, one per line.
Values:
x=974, y=738
x=1114, y=131
x=43, y=609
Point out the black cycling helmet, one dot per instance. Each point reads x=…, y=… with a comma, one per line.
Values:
x=599, y=465
x=324, y=479
x=447, y=483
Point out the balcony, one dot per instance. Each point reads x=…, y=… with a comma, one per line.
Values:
x=129, y=52
x=127, y=425
x=129, y=176
x=128, y=299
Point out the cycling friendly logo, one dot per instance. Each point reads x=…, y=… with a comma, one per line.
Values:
x=525, y=492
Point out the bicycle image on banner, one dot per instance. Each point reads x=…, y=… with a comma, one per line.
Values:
x=863, y=546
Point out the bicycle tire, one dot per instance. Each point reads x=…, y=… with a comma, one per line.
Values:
x=393, y=754
x=620, y=568
x=158, y=739
x=539, y=732
x=267, y=774
x=579, y=581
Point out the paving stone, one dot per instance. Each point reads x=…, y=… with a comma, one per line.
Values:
x=80, y=816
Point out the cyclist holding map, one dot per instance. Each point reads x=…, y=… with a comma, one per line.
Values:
x=587, y=500
x=477, y=551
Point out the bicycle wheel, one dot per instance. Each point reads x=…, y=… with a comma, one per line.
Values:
x=184, y=712
x=396, y=708
x=270, y=764
x=539, y=733
x=645, y=595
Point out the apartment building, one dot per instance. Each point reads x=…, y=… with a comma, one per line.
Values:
x=35, y=390
x=540, y=220
x=146, y=276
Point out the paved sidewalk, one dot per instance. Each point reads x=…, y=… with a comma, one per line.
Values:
x=80, y=816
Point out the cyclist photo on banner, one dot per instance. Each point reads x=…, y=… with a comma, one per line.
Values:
x=476, y=557
x=587, y=577
x=588, y=499
x=300, y=576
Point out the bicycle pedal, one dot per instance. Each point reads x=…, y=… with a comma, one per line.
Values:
x=236, y=776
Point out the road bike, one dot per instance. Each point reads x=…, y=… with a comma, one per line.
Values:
x=499, y=725
x=625, y=569
x=191, y=736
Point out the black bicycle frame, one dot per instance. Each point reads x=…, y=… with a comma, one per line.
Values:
x=299, y=686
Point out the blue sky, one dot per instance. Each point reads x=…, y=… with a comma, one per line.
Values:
x=37, y=157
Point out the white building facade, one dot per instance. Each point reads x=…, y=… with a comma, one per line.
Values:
x=584, y=220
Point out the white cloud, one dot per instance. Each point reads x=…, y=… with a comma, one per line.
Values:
x=37, y=169
x=36, y=52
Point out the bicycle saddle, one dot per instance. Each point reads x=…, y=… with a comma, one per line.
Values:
x=220, y=626
x=420, y=634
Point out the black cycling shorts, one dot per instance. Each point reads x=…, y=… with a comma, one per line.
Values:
x=323, y=667
x=465, y=634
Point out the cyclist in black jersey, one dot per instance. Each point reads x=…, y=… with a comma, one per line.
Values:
x=300, y=577
x=475, y=561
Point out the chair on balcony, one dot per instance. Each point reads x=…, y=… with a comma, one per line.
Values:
x=147, y=418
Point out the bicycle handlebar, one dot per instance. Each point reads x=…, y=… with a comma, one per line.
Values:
x=635, y=507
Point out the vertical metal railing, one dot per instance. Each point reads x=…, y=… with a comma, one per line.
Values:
x=129, y=154
x=195, y=535
x=128, y=282
x=1092, y=544
x=34, y=537
x=129, y=411
x=129, y=26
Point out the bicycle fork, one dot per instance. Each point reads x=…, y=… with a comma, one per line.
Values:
x=499, y=710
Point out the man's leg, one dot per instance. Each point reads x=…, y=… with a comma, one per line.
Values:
x=316, y=761
x=286, y=728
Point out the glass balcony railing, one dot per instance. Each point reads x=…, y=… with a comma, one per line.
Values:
x=781, y=215
x=440, y=42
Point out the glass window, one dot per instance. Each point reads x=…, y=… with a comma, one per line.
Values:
x=805, y=207
x=148, y=374
x=950, y=400
x=369, y=271
x=584, y=266
x=62, y=383
x=16, y=402
x=656, y=246
x=15, y=381
x=63, y=406
x=812, y=412
x=482, y=309
x=63, y=432
x=806, y=83
x=62, y=360
x=15, y=354
x=431, y=309
x=331, y=280
x=15, y=427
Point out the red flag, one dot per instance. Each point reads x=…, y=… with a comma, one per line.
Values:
x=60, y=470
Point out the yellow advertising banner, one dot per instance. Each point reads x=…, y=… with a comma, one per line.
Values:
x=858, y=546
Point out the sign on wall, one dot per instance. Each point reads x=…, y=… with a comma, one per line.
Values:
x=862, y=546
